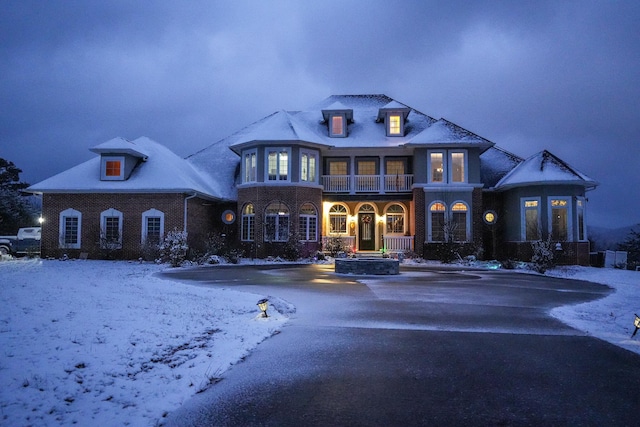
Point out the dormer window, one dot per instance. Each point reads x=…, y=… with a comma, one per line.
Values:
x=395, y=126
x=337, y=117
x=337, y=126
x=112, y=168
x=394, y=116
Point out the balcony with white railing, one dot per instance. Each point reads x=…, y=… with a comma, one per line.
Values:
x=353, y=184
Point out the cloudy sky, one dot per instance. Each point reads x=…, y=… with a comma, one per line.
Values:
x=534, y=75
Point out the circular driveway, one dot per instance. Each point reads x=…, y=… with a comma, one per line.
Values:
x=430, y=346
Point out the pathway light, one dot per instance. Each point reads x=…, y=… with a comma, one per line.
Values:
x=263, y=304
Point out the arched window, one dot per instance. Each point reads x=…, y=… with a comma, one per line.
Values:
x=338, y=219
x=437, y=222
x=308, y=223
x=247, y=231
x=276, y=223
x=459, y=222
x=395, y=219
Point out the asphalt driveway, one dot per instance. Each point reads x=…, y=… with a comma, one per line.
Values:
x=428, y=347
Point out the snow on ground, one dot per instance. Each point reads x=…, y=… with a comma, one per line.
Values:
x=610, y=318
x=107, y=343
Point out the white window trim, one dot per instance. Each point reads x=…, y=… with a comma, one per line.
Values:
x=570, y=218
x=315, y=155
x=251, y=224
x=523, y=222
x=404, y=219
x=444, y=167
x=152, y=213
x=430, y=221
x=266, y=164
x=467, y=218
x=583, y=200
x=308, y=218
x=450, y=166
x=246, y=175
x=70, y=213
x=388, y=124
x=103, y=168
x=103, y=222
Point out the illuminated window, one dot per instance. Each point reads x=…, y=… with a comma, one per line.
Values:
x=436, y=166
x=337, y=126
x=395, y=167
x=530, y=217
x=395, y=124
x=559, y=211
x=338, y=167
x=70, y=229
x=248, y=223
x=152, y=226
x=308, y=162
x=437, y=212
x=308, y=223
x=458, y=167
x=278, y=164
x=112, y=168
x=250, y=166
x=338, y=219
x=276, y=224
x=395, y=219
x=367, y=167
x=458, y=227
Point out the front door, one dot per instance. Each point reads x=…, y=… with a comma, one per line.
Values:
x=366, y=231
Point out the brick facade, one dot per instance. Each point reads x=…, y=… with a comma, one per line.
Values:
x=203, y=217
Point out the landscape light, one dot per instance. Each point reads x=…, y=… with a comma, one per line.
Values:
x=636, y=323
x=263, y=304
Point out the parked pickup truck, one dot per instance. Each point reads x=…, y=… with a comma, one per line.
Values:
x=27, y=242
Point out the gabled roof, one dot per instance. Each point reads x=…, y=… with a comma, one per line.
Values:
x=544, y=168
x=162, y=172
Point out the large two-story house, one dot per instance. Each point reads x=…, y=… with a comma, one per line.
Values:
x=366, y=168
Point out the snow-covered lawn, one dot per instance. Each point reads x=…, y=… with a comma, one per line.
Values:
x=610, y=318
x=108, y=344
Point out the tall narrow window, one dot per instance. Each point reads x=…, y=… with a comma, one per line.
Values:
x=530, y=230
x=395, y=219
x=559, y=219
x=395, y=124
x=276, y=223
x=308, y=162
x=459, y=222
x=338, y=219
x=250, y=166
x=152, y=226
x=436, y=166
x=111, y=229
x=458, y=167
x=308, y=223
x=278, y=164
x=337, y=126
x=437, y=222
x=247, y=233
x=582, y=232
x=70, y=229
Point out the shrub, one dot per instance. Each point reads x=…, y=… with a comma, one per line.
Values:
x=543, y=256
x=174, y=247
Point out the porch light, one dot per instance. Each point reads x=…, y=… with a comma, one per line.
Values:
x=263, y=304
x=40, y=220
x=636, y=323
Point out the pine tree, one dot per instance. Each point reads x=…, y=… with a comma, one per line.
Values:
x=632, y=246
x=15, y=209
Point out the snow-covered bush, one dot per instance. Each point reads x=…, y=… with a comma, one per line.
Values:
x=543, y=256
x=174, y=247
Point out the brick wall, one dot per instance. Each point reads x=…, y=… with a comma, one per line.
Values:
x=132, y=206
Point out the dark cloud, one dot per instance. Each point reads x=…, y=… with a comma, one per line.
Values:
x=526, y=75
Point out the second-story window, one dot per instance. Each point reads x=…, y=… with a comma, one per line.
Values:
x=278, y=164
x=308, y=162
x=112, y=168
x=458, y=169
x=395, y=124
x=436, y=167
x=250, y=166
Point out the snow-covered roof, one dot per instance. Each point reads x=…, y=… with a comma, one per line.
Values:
x=446, y=133
x=162, y=172
x=495, y=163
x=120, y=146
x=544, y=168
